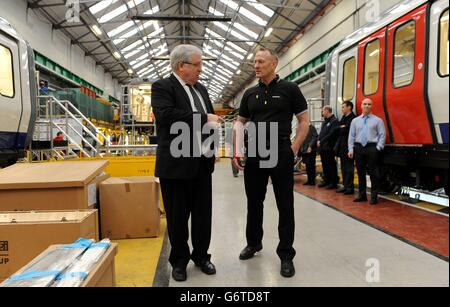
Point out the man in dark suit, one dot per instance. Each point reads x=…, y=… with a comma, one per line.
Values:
x=347, y=164
x=325, y=144
x=186, y=182
x=308, y=154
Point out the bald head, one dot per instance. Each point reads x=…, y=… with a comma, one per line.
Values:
x=366, y=106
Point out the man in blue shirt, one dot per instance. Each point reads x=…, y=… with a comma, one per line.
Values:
x=365, y=141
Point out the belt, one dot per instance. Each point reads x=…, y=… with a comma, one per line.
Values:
x=368, y=144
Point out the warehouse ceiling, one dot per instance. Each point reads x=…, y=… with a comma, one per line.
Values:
x=133, y=38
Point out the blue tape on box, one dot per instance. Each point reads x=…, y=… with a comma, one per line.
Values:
x=32, y=274
x=80, y=243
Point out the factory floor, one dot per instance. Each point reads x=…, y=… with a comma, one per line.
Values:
x=338, y=243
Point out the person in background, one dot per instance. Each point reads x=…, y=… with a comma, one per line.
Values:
x=366, y=140
x=43, y=87
x=347, y=164
x=59, y=137
x=325, y=145
x=308, y=154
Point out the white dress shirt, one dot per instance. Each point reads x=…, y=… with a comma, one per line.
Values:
x=188, y=92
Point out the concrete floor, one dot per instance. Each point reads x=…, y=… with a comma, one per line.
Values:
x=332, y=248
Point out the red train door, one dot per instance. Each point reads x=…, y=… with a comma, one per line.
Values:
x=405, y=100
x=371, y=69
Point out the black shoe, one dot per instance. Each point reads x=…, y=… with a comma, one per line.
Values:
x=323, y=184
x=249, y=252
x=207, y=267
x=360, y=199
x=287, y=268
x=373, y=201
x=331, y=187
x=349, y=192
x=341, y=190
x=179, y=274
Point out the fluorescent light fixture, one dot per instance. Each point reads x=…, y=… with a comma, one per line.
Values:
x=268, y=32
x=231, y=82
x=238, y=72
x=130, y=71
x=234, y=67
x=250, y=56
x=116, y=55
x=97, y=31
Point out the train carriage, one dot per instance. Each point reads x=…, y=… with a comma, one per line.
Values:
x=18, y=94
x=401, y=62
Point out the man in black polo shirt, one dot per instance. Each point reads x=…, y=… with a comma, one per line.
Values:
x=273, y=100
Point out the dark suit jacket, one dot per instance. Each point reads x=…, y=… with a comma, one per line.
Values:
x=310, y=141
x=328, y=133
x=171, y=104
x=342, y=142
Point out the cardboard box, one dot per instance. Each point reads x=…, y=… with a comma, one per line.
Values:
x=24, y=235
x=129, y=207
x=51, y=185
x=103, y=274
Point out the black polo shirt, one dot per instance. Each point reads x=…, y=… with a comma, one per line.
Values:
x=277, y=102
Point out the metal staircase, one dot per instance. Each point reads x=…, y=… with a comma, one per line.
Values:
x=82, y=137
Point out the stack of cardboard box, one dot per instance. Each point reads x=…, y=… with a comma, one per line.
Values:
x=46, y=203
x=56, y=203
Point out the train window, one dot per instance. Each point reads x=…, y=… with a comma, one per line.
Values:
x=6, y=73
x=443, y=45
x=404, y=54
x=372, y=68
x=348, y=86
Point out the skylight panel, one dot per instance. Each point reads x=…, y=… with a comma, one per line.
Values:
x=120, y=29
x=131, y=46
x=233, y=32
x=262, y=8
x=101, y=6
x=136, y=66
x=245, y=30
x=120, y=10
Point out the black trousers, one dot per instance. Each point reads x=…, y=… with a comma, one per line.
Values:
x=256, y=180
x=310, y=162
x=348, y=172
x=184, y=198
x=367, y=162
x=329, y=167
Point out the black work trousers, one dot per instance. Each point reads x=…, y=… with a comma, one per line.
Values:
x=256, y=180
x=310, y=162
x=348, y=172
x=329, y=167
x=367, y=161
x=183, y=199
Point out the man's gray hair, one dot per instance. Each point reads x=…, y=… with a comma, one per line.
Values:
x=182, y=54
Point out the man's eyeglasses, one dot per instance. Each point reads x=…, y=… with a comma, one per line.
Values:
x=197, y=65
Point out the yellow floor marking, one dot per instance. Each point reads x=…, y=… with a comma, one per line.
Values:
x=137, y=259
